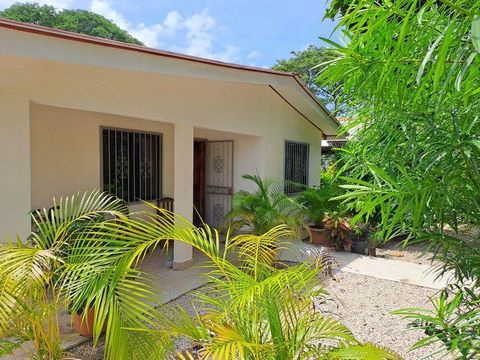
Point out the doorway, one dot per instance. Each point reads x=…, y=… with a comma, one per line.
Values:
x=219, y=182
x=212, y=181
x=199, y=185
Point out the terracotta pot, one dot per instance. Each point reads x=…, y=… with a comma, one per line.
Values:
x=84, y=326
x=320, y=237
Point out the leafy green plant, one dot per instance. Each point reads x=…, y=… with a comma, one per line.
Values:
x=67, y=263
x=458, y=329
x=340, y=230
x=413, y=68
x=317, y=201
x=265, y=208
x=253, y=310
x=85, y=255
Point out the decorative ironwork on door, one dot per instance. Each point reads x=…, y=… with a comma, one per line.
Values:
x=219, y=181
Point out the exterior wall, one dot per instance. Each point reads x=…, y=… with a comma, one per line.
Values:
x=249, y=109
x=69, y=103
x=65, y=151
x=14, y=165
x=266, y=154
x=292, y=129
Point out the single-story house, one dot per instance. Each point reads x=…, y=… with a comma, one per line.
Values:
x=79, y=112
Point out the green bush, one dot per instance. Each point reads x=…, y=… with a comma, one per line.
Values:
x=413, y=69
x=264, y=208
x=317, y=201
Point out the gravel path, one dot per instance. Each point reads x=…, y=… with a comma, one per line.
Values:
x=362, y=303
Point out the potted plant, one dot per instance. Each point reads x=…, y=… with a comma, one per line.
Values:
x=314, y=201
x=366, y=240
x=83, y=324
x=340, y=231
x=360, y=243
x=317, y=201
x=83, y=320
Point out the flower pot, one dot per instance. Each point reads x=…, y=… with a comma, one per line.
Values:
x=84, y=326
x=360, y=247
x=320, y=237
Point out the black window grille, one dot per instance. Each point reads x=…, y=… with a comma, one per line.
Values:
x=132, y=164
x=296, y=166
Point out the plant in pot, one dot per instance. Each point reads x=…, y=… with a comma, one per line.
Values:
x=83, y=320
x=70, y=259
x=340, y=231
x=366, y=240
x=316, y=202
x=360, y=243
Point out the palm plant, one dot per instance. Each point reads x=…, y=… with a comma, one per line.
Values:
x=253, y=310
x=265, y=208
x=317, y=201
x=85, y=255
x=65, y=263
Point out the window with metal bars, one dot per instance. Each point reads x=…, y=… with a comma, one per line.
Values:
x=296, y=166
x=132, y=164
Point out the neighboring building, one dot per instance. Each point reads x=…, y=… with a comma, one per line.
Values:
x=330, y=143
x=78, y=113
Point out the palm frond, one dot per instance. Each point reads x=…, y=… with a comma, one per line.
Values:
x=362, y=352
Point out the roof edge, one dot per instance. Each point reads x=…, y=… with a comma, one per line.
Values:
x=67, y=35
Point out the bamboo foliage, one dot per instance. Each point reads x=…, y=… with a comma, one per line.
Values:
x=412, y=71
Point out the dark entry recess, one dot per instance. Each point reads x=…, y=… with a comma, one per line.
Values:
x=199, y=185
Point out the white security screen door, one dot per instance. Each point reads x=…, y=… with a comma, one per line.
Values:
x=219, y=181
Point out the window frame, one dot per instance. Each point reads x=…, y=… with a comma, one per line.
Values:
x=160, y=159
x=307, y=165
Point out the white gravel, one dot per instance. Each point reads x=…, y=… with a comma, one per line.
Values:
x=364, y=304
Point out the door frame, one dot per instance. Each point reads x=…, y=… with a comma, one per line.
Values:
x=199, y=190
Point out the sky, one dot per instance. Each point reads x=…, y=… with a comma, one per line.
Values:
x=250, y=32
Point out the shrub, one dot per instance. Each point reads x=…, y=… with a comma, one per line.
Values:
x=264, y=208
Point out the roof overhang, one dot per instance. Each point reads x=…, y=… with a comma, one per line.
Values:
x=33, y=41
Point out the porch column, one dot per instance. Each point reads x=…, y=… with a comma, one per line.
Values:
x=15, y=190
x=183, y=189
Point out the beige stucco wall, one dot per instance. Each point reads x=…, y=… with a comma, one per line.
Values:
x=66, y=155
x=65, y=150
x=69, y=102
x=265, y=154
x=14, y=164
